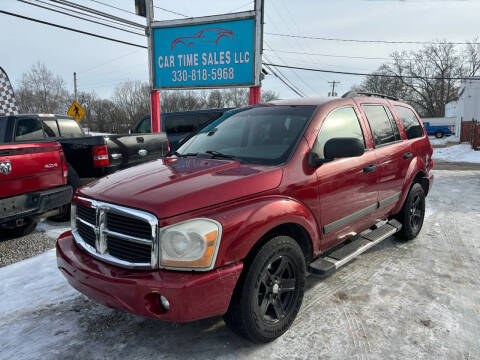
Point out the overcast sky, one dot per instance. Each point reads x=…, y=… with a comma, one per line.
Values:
x=101, y=64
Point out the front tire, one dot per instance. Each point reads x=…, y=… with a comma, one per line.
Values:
x=270, y=293
x=412, y=214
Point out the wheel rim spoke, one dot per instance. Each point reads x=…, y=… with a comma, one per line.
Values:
x=278, y=307
x=264, y=305
x=281, y=267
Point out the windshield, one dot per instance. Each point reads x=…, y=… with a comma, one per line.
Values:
x=261, y=135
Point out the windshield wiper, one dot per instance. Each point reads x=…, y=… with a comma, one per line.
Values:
x=177, y=154
x=217, y=154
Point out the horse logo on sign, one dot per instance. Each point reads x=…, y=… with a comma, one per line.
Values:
x=5, y=167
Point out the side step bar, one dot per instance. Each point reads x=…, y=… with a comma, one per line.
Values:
x=325, y=265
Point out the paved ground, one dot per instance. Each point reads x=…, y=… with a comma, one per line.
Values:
x=415, y=300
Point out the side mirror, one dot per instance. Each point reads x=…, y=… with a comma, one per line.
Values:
x=343, y=147
x=337, y=148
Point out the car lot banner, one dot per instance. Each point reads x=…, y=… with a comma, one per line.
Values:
x=214, y=51
x=8, y=103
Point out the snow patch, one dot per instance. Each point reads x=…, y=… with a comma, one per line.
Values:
x=444, y=140
x=457, y=153
x=33, y=283
x=52, y=229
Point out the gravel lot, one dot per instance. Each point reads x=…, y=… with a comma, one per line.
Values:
x=413, y=300
x=41, y=240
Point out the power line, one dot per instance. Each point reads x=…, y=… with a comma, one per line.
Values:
x=331, y=55
x=283, y=81
x=369, y=74
x=115, y=22
x=107, y=62
x=98, y=12
x=237, y=8
x=113, y=7
x=80, y=17
x=372, y=41
x=171, y=11
x=71, y=29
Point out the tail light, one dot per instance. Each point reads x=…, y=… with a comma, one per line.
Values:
x=63, y=163
x=168, y=145
x=100, y=156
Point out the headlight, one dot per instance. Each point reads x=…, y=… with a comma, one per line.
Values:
x=190, y=244
x=73, y=217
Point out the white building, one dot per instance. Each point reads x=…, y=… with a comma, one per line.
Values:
x=468, y=105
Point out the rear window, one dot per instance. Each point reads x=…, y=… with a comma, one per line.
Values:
x=69, y=128
x=145, y=126
x=410, y=122
x=28, y=129
x=50, y=127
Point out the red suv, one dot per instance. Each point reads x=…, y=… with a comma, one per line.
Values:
x=231, y=223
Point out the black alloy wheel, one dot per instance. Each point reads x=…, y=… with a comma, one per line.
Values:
x=269, y=293
x=412, y=214
x=276, y=293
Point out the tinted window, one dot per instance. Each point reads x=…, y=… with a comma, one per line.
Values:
x=380, y=124
x=181, y=123
x=205, y=118
x=29, y=129
x=69, y=128
x=50, y=127
x=394, y=123
x=260, y=135
x=145, y=126
x=342, y=122
x=410, y=122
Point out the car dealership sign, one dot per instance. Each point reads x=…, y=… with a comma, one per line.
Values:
x=213, y=51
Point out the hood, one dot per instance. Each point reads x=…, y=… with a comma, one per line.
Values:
x=172, y=186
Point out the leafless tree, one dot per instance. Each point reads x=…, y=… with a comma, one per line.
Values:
x=132, y=101
x=41, y=91
x=426, y=77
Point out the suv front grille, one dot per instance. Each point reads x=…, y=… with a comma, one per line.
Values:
x=116, y=234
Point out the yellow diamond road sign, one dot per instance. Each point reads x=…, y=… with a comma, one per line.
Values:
x=76, y=111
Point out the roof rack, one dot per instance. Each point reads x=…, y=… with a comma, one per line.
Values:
x=354, y=93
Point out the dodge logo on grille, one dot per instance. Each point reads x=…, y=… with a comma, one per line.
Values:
x=5, y=167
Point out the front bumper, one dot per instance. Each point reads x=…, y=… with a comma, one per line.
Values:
x=35, y=203
x=192, y=295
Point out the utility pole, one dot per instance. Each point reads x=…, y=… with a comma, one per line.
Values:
x=75, y=85
x=333, y=93
x=255, y=91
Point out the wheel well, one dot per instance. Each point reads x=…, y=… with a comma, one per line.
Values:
x=422, y=179
x=295, y=231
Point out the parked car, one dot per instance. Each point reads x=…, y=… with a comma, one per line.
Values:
x=33, y=185
x=439, y=126
x=88, y=157
x=179, y=125
x=231, y=223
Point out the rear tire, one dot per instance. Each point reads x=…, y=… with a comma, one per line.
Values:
x=438, y=134
x=412, y=214
x=269, y=294
x=74, y=181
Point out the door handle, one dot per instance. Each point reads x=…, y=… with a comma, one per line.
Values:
x=407, y=155
x=370, y=168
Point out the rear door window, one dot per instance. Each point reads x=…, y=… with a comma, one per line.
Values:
x=51, y=128
x=342, y=122
x=380, y=124
x=69, y=128
x=29, y=129
x=410, y=122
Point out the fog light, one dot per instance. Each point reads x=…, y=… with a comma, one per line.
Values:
x=164, y=302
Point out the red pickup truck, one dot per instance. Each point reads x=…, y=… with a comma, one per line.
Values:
x=33, y=185
x=233, y=221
